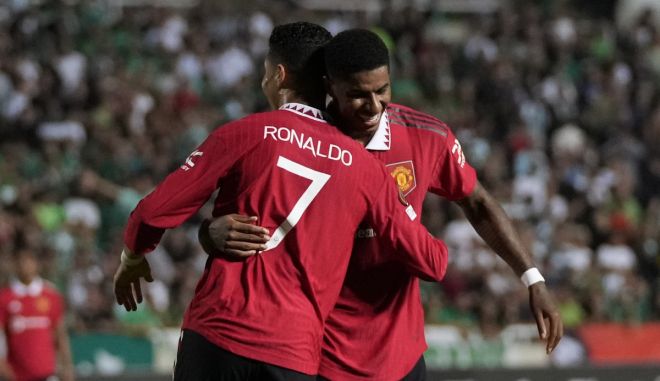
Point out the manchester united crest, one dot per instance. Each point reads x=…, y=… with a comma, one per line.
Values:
x=42, y=305
x=404, y=175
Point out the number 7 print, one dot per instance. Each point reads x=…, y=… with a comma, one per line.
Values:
x=318, y=181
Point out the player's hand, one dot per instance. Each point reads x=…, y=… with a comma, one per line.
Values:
x=233, y=235
x=548, y=320
x=127, y=283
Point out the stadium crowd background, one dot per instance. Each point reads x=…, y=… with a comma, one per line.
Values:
x=556, y=106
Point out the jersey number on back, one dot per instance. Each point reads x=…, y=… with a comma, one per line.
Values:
x=318, y=181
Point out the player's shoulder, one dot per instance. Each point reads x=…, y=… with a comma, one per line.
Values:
x=417, y=122
x=50, y=289
x=5, y=292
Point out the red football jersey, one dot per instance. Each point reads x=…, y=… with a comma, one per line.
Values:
x=311, y=186
x=376, y=330
x=29, y=316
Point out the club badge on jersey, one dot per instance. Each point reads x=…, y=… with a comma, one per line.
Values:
x=404, y=175
x=42, y=305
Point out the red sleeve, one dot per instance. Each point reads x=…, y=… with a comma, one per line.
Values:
x=184, y=191
x=408, y=240
x=453, y=178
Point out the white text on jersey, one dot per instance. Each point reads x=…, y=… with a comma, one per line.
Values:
x=317, y=148
x=458, y=151
x=189, y=161
x=365, y=233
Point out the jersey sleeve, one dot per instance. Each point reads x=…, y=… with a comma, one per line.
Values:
x=409, y=242
x=453, y=178
x=183, y=192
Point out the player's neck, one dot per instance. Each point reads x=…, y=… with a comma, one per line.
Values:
x=292, y=96
x=363, y=136
x=26, y=280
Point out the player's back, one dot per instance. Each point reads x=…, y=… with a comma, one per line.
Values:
x=310, y=186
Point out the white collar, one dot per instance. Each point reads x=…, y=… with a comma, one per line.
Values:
x=33, y=289
x=304, y=110
x=381, y=140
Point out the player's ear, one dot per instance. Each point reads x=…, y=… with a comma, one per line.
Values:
x=280, y=74
x=327, y=82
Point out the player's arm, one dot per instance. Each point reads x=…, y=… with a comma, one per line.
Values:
x=496, y=229
x=171, y=203
x=179, y=196
x=64, y=352
x=456, y=180
x=397, y=226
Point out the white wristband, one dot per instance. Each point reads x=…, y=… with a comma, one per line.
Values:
x=531, y=276
x=130, y=260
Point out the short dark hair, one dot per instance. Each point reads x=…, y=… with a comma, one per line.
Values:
x=353, y=51
x=299, y=47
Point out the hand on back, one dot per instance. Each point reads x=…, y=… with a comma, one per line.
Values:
x=234, y=235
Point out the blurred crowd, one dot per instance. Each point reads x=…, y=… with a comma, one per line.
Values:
x=557, y=108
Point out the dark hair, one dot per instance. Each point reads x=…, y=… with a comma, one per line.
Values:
x=353, y=51
x=299, y=47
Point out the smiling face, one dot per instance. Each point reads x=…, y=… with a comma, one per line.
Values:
x=360, y=100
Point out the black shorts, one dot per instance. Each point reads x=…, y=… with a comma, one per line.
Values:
x=418, y=372
x=200, y=360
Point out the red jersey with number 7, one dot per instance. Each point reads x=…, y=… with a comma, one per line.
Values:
x=311, y=186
